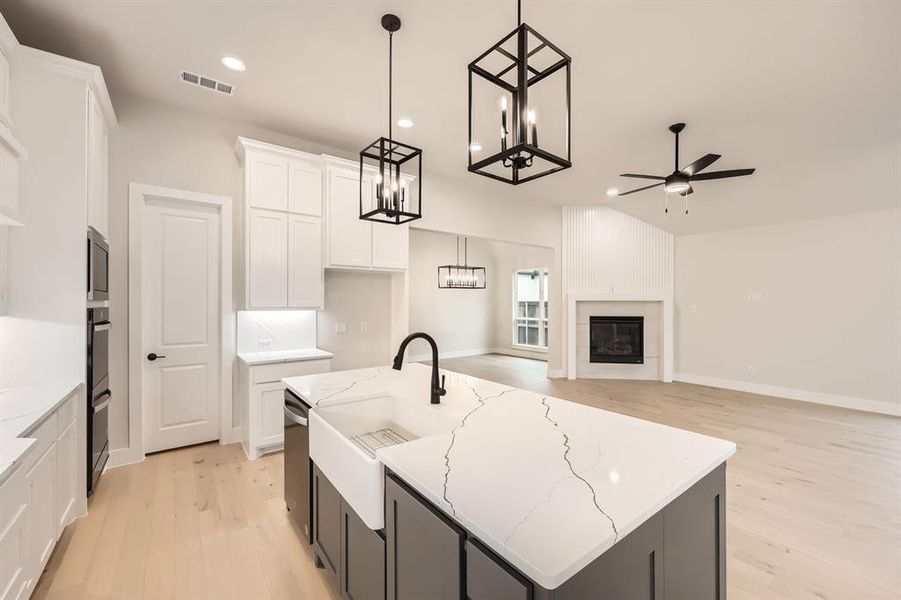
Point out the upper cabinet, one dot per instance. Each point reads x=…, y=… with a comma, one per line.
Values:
x=283, y=227
x=98, y=171
x=353, y=243
x=11, y=149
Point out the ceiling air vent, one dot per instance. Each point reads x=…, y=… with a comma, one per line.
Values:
x=207, y=83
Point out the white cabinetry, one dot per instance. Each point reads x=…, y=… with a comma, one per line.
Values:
x=283, y=225
x=11, y=150
x=40, y=497
x=97, y=168
x=261, y=398
x=354, y=243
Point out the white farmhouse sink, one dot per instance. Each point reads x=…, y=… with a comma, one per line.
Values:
x=344, y=438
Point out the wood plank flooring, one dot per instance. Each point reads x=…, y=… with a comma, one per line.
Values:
x=814, y=503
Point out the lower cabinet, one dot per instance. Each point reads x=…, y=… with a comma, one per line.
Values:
x=362, y=569
x=326, y=524
x=490, y=578
x=66, y=476
x=15, y=550
x=40, y=481
x=424, y=548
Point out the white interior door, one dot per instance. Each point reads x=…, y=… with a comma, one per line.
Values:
x=180, y=268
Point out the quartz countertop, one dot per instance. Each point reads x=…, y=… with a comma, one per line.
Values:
x=282, y=356
x=21, y=408
x=547, y=484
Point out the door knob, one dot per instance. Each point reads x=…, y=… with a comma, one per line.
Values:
x=153, y=356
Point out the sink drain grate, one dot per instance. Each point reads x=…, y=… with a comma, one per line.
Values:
x=383, y=438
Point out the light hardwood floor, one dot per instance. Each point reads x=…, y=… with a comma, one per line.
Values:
x=814, y=503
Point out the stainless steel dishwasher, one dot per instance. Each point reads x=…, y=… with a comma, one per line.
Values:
x=298, y=468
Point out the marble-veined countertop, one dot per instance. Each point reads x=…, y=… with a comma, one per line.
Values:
x=547, y=484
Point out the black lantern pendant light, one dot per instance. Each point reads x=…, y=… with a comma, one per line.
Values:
x=461, y=276
x=390, y=172
x=512, y=70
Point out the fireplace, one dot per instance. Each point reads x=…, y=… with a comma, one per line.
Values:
x=616, y=340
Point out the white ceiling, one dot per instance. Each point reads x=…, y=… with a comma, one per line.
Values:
x=809, y=93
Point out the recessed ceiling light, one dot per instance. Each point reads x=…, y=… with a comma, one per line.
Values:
x=475, y=147
x=612, y=192
x=405, y=122
x=234, y=63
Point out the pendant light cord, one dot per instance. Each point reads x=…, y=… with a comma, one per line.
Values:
x=390, y=85
x=518, y=12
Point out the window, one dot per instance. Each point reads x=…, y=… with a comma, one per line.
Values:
x=530, y=290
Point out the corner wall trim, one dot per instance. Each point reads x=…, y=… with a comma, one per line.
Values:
x=875, y=406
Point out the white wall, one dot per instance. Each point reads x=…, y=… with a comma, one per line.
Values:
x=460, y=320
x=827, y=325
x=360, y=301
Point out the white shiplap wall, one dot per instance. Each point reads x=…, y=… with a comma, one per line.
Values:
x=608, y=252
x=608, y=255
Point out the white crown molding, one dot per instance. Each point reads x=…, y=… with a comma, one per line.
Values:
x=875, y=406
x=92, y=75
x=8, y=41
x=243, y=145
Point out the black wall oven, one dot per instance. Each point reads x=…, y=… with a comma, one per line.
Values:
x=98, y=382
x=98, y=266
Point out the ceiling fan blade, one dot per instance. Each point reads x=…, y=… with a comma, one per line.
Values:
x=647, y=187
x=640, y=176
x=701, y=164
x=722, y=174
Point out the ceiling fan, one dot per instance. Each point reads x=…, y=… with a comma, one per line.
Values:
x=680, y=180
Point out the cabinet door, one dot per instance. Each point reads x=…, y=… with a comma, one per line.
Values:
x=390, y=246
x=304, y=188
x=40, y=481
x=4, y=269
x=9, y=183
x=268, y=181
x=362, y=566
x=15, y=555
x=305, y=275
x=269, y=403
x=490, y=578
x=326, y=523
x=349, y=238
x=66, y=474
x=268, y=262
x=423, y=548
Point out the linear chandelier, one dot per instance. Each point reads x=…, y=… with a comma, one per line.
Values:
x=461, y=276
x=394, y=194
x=507, y=77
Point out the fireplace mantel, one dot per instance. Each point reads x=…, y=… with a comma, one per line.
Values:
x=571, y=317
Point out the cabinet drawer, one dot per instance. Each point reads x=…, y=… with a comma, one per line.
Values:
x=44, y=434
x=275, y=372
x=489, y=578
x=13, y=495
x=65, y=414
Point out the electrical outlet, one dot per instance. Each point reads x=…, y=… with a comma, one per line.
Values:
x=755, y=296
x=752, y=369
x=693, y=308
x=264, y=342
x=364, y=326
x=340, y=327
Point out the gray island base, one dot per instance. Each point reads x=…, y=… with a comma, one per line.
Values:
x=422, y=553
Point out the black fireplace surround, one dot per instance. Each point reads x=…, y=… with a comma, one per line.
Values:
x=616, y=340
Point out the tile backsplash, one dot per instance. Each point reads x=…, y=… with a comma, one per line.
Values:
x=263, y=330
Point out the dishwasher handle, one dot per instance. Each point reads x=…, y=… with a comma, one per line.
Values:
x=295, y=417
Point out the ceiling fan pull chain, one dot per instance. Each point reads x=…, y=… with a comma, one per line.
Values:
x=666, y=202
x=686, y=204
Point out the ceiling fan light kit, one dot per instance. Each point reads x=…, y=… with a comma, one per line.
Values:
x=679, y=181
x=394, y=196
x=509, y=104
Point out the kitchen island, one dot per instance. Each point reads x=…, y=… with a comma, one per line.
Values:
x=505, y=493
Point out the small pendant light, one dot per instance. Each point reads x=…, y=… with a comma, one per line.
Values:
x=461, y=276
x=390, y=171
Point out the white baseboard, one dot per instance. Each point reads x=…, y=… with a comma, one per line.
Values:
x=556, y=373
x=542, y=356
x=876, y=406
x=231, y=436
x=123, y=456
x=453, y=354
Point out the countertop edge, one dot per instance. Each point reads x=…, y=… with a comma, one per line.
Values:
x=323, y=355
